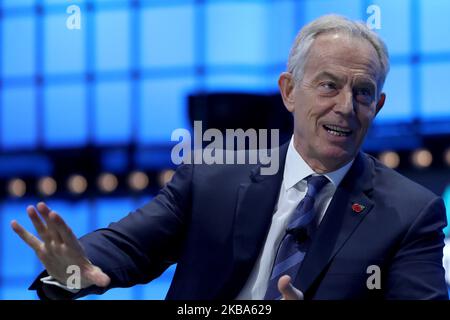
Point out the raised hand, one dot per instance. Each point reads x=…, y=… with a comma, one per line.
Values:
x=59, y=248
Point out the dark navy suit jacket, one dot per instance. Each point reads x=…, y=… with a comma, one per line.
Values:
x=212, y=220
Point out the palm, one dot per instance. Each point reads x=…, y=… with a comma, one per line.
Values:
x=59, y=247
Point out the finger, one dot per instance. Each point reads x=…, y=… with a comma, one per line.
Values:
x=44, y=211
x=287, y=290
x=27, y=237
x=40, y=227
x=64, y=231
x=53, y=234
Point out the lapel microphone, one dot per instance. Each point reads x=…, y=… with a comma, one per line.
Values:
x=300, y=234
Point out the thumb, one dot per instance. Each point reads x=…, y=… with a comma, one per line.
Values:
x=97, y=277
x=102, y=280
x=288, y=291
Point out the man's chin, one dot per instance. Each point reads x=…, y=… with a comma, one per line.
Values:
x=337, y=157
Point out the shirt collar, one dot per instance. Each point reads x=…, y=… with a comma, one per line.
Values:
x=296, y=169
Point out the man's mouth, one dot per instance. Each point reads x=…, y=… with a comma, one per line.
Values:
x=337, y=130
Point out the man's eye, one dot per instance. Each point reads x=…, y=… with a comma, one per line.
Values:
x=364, y=95
x=328, y=86
x=364, y=92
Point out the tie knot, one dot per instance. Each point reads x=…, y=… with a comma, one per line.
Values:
x=315, y=184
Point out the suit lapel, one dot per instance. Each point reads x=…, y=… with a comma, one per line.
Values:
x=253, y=216
x=339, y=222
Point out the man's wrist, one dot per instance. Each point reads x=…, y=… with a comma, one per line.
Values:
x=52, y=281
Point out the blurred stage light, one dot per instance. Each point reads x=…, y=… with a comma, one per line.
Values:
x=47, y=186
x=422, y=158
x=138, y=180
x=447, y=156
x=165, y=176
x=17, y=187
x=390, y=159
x=77, y=184
x=107, y=182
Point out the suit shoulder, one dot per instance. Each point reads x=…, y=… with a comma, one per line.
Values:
x=395, y=184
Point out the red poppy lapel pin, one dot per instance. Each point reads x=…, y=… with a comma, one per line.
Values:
x=358, y=208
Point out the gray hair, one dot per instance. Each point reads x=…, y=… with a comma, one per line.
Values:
x=339, y=24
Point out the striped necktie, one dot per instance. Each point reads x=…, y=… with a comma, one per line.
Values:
x=294, y=244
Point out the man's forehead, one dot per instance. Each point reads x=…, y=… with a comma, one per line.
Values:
x=337, y=74
x=334, y=53
x=343, y=47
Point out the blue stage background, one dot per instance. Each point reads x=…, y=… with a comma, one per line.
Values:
x=123, y=78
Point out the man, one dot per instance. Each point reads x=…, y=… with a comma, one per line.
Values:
x=332, y=223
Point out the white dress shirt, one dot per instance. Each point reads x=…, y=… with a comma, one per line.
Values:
x=293, y=190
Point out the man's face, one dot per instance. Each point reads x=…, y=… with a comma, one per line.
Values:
x=335, y=102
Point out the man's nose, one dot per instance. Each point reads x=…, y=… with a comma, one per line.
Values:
x=345, y=103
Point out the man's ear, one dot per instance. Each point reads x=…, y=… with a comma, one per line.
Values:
x=380, y=103
x=286, y=85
